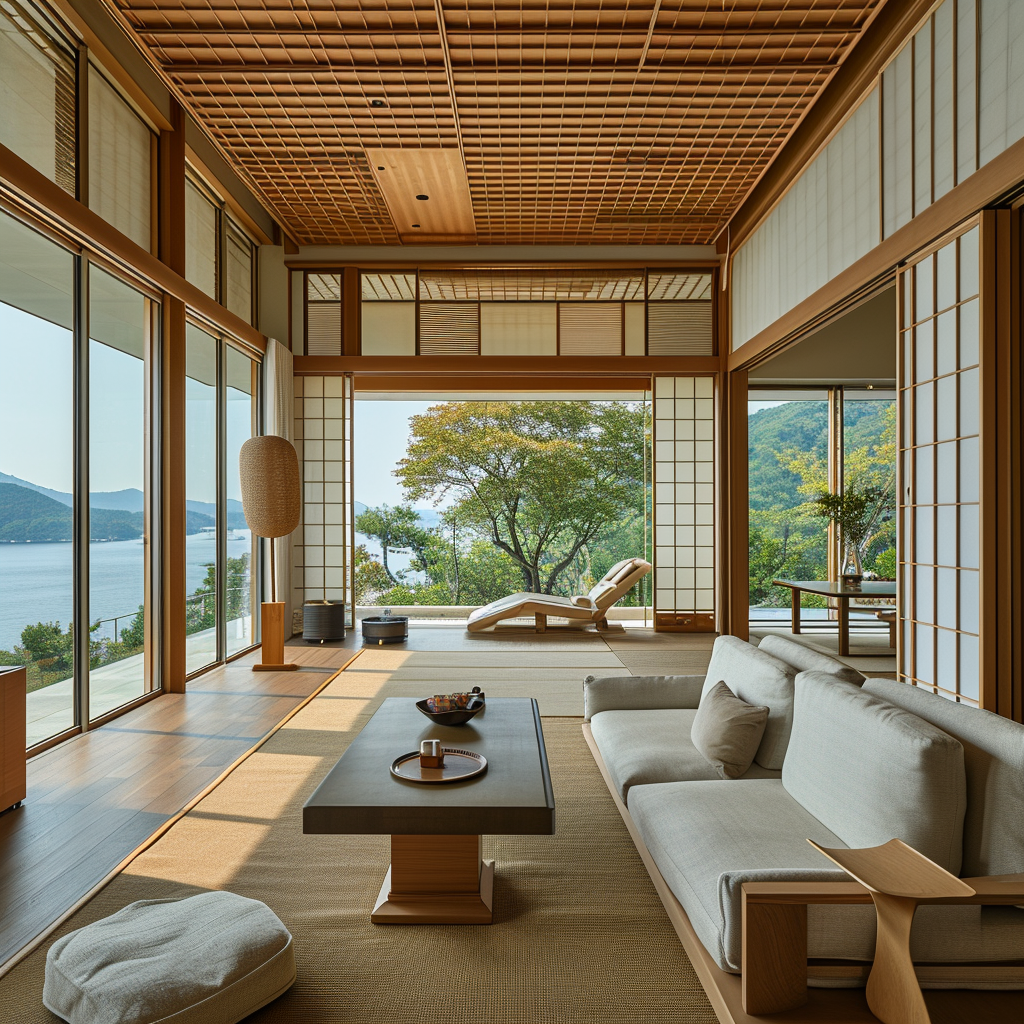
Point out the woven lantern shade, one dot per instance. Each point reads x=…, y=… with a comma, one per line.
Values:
x=269, y=470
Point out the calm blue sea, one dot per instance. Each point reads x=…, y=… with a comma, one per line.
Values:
x=35, y=580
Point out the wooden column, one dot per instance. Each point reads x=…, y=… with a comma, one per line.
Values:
x=350, y=342
x=735, y=529
x=1002, y=687
x=172, y=252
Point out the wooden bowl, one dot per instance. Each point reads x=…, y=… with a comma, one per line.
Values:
x=458, y=717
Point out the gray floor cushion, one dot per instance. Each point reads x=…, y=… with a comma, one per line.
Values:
x=208, y=959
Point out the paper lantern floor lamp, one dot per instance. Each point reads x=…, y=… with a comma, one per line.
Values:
x=272, y=502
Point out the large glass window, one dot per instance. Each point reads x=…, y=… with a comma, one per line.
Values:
x=37, y=472
x=869, y=468
x=201, y=527
x=788, y=439
x=220, y=551
x=37, y=94
x=240, y=425
x=120, y=321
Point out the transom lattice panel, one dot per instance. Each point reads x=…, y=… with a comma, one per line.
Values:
x=601, y=121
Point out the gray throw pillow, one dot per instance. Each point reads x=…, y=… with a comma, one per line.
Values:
x=727, y=731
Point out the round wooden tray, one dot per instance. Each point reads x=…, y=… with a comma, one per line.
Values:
x=458, y=765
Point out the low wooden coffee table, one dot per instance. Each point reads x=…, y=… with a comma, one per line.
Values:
x=437, y=875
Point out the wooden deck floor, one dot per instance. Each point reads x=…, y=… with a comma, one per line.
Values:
x=95, y=798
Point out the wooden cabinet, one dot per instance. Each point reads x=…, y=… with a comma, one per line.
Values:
x=12, y=737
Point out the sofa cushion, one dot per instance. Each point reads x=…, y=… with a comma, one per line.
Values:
x=760, y=679
x=807, y=659
x=641, y=747
x=871, y=772
x=708, y=838
x=214, y=958
x=994, y=765
x=727, y=731
x=699, y=831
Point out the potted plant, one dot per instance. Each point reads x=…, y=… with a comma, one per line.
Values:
x=858, y=512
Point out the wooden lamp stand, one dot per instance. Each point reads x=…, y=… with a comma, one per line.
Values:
x=271, y=500
x=272, y=630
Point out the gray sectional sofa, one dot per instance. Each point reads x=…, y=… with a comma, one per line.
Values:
x=844, y=761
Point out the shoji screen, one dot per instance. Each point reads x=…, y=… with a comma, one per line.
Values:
x=940, y=462
x=827, y=221
x=120, y=161
x=684, y=502
x=325, y=541
x=519, y=329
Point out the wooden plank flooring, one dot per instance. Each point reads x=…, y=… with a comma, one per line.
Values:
x=95, y=798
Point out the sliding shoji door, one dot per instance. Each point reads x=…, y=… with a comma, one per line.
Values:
x=941, y=383
x=684, y=503
x=323, y=555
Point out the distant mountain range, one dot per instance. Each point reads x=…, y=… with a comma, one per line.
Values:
x=199, y=514
x=30, y=513
x=28, y=516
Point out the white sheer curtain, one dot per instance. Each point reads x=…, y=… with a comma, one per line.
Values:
x=279, y=405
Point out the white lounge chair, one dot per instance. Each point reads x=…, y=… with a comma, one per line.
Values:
x=580, y=609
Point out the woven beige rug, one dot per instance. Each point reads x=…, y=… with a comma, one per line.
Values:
x=579, y=937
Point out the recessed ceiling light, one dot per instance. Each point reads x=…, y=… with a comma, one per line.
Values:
x=422, y=197
x=377, y=103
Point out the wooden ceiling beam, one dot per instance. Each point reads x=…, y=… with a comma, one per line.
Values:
x=597, y=67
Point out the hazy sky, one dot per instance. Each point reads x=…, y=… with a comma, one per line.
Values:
x=381, y=436
x=37, y=408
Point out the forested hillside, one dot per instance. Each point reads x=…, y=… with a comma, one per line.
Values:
x=788, y=449
x=28, y=516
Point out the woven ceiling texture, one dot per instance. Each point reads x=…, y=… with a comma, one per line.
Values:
x=578, y=121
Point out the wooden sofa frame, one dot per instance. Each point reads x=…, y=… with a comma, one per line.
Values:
x=772, y=988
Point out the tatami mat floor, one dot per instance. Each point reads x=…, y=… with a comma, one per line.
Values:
x=95, y=798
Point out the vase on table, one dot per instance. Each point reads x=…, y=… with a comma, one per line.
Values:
x=853, y=572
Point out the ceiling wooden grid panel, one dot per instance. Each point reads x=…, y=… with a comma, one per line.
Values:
x=578, y=121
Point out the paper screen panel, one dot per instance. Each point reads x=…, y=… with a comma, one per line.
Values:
x=684, y=495
x=323, y=545
x=940, y=457
x=388, y=329
x=518, y=328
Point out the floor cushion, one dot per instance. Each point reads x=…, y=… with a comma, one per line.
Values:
x=208, y=959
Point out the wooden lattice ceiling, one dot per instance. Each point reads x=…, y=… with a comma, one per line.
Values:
x=579, y=121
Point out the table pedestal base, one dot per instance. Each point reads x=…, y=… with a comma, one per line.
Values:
x=436, y=880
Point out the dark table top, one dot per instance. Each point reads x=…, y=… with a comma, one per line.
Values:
x=360, y=796
x=836, y=588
